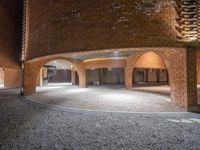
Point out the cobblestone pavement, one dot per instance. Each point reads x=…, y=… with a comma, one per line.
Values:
x=107, y=98
x=26, y=125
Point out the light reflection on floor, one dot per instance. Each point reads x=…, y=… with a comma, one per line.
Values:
x=186, y=120
x=1, y=86
x=107, y=98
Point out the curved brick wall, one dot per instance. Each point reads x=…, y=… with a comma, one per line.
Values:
x=150, y=60
x=7, y=35
x=59, y=26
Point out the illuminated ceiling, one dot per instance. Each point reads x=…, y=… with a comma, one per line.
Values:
x=59, y=64
x=95, y=55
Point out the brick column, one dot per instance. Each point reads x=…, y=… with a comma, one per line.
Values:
x=192, y=99
x=128, y=77
x=73, y=76
x=39, y=78
x=82, y=78
x=182, y=74
x=30, y=77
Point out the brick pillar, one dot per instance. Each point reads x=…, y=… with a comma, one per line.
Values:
x=198, y=71
x=128, y=77
x=182, y=75
x=73, y=76
x=82, y=77
x=192, y=99
x=39, y=78
x=30, y=77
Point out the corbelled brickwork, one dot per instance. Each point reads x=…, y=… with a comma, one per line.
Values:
x=55, y=28
x=69, y=26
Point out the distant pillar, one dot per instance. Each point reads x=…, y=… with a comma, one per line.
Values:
x=30, y=79
x=73, y=76
x=82, y=78
x=128, y=78
x=158, y=76
x=39, y=78
x=146, y=75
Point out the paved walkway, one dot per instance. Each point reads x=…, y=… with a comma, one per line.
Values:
x=107, y=98
x=25, y=125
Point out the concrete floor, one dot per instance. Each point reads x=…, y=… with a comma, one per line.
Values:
x=25, y=125
x=1, y=86
x=107, y=98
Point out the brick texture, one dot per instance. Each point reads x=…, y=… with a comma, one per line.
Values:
x=70, y=26
x=182, y=76
x=33, y=67
x=7, y=35
x=12, y=77
x=63, y=26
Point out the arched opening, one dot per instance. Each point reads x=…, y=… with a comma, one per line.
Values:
x=33, y=73
x=150, y=70
x=150, y=74
x=144, y=98
x=56, y=73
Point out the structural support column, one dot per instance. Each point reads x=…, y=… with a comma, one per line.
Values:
x=82, y=78
x=82, y=74
x=192, y=99
x=30, y=77
x=183, y=81
x=39, y=78
x=128, y=78
x=73, y=76
x=158, y=76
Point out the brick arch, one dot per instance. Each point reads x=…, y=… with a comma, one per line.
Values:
x=135, y=57
x=164, y=56
x=32, y=68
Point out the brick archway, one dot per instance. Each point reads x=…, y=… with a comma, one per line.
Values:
x=32, y=68
x=175, y=61
x=132, y=60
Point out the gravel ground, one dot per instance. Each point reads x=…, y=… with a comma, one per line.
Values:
x=25, y=125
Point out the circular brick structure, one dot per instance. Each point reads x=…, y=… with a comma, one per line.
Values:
x=111, y=35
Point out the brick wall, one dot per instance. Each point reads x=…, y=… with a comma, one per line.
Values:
x=105, y=76
x=68, y=26
x=150, y=60
x=8, y=54
x=12, y=77
x=7, y=35
x=105, y=63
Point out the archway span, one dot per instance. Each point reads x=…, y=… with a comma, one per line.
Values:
x=56, y=72
x=150, y=60
x=164, y=61
x=150, y=69
x=32, y=68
